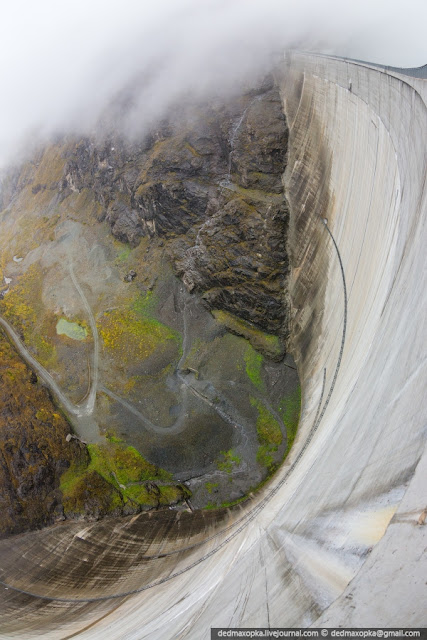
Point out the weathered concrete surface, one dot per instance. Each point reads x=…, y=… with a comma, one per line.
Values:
x=337, y=541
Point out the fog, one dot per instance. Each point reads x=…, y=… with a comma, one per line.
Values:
x=62, y=63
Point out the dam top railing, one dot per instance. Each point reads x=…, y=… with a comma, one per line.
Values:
x=414, y=72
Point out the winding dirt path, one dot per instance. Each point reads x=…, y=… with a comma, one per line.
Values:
x=94, y=370
x=78, y=410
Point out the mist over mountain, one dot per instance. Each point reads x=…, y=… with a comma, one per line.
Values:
x=60, y=65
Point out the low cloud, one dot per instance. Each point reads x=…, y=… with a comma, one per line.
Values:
x=62, y=63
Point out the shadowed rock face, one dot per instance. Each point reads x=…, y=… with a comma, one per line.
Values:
x=239, y=262
x=217, y=168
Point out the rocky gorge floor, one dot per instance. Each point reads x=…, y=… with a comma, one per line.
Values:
x=148, y=281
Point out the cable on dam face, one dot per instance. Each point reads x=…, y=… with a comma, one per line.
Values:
x=244, y=520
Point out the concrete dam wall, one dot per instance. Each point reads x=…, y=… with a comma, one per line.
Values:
x=337, y=536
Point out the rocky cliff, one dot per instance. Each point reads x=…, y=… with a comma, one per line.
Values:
x=214, y=169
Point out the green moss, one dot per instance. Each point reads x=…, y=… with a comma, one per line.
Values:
x=113, y=439
x=290, y=409
x=115, y=502
x=123, y=463
x=70, y=479
x=210, y=486
x=139, y=494
x=123, y=472
x=123, y=255
x=145, y=304
x=269, y=435
x=231, y=503
x=228, y=461
x=261, y=341
x=268, y=428
x=169, y=495
x=91, y=494
x=253, y=361
x=225, y=504
x=264, y=456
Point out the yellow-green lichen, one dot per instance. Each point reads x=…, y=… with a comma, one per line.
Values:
x=126, y=477
x=23, y=307
x=123, y=255
x=269, y=435
x=132, y=332
x=72, y=330
x=268, y=429
x=253, y=362
x=228, y=461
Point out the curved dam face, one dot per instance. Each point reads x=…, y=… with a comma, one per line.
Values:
x=337, y=536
